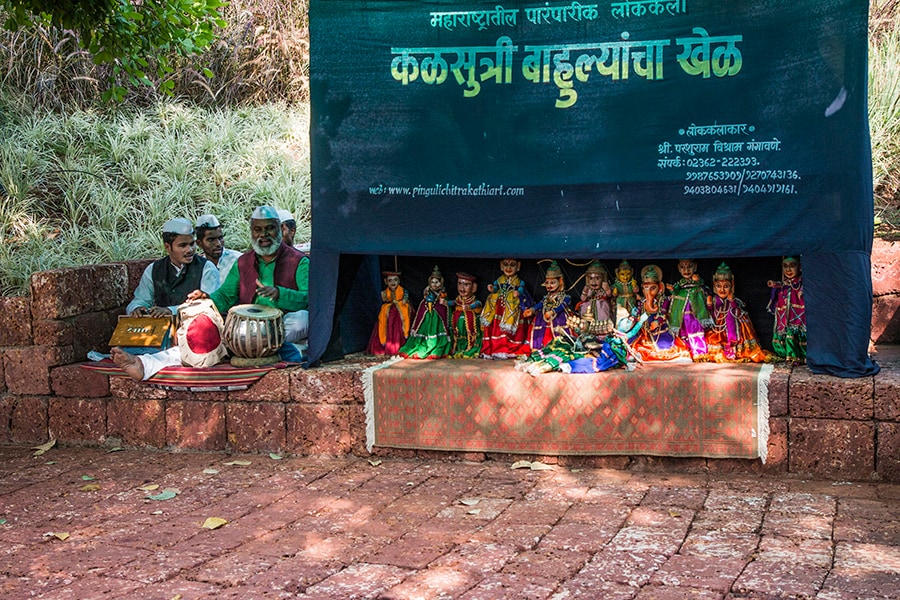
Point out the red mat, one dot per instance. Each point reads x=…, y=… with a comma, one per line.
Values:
x=223, y=377
x=705, y=410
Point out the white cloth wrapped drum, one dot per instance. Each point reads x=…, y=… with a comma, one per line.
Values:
x=254, y=330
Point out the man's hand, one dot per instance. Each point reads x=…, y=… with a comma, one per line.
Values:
x=197, y=295
x=158, y=312
x=140, y=311
x=266, y=291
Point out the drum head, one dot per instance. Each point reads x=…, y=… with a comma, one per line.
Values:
x=255, y=311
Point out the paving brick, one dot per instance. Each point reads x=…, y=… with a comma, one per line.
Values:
x=195, y=425
x=27, y=370
x=887, y=395
x=78, y=420
x=137, y=422
x=255, y=426
x=15, y=321
x=778, y=579
x=74, y=382
x=832, y=449
x=887, y=458
x=62, y=293
x=511, y=585
x=274, y=386
x=828, y=397
x=329, y=385
x=358, y=581
x=28, y=422
x=318, y=429
x=696, y=571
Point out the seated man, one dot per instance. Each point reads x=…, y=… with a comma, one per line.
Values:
x=271, y=273
x=211, y=240
x=289, y=230
x=167, y=282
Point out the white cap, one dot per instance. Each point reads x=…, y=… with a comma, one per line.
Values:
x=285, y=215
x=179, y=226
x=265, y=213
x=208, y=221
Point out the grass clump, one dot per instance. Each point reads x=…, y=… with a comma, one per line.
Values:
x=92, y=187
x=884, y=114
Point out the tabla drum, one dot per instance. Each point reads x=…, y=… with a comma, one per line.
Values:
x=254, y=331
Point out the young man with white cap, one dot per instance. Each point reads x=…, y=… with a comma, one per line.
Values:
x=211, y=240
x=167, y=282
x=289, y=230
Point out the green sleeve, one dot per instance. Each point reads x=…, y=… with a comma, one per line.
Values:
x=227, y=295
x=291, y=300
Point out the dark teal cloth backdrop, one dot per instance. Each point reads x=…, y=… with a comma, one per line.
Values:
x=639, y=129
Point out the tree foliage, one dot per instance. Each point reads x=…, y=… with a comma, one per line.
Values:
x=130, y=35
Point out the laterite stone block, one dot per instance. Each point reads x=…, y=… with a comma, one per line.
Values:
x=92, y=332
x=123, y=387
x=28, y=420
x=15, y=321
x=827, y=397
x=274, y=386
x=63, y=293
x=133, y=271
x=71, y=381
x=779, y=382
x=887, y=395
x=329, y=385
x=137, y=422
x=832, y=449
x=78, y=420
x=319, y=429
x=886, y=319
x=255, y=427
x=58, y=332
x=195, y=425
x=885, y=268
x=27, y=370
x=7, y=403
x=887, y=460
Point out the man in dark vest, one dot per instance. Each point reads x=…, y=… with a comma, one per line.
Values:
x=167, y=282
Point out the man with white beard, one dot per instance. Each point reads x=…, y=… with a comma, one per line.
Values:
x=271, y=273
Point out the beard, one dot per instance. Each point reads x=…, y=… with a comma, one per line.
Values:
x=276, y=242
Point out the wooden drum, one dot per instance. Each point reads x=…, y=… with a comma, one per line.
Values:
x=254, y=331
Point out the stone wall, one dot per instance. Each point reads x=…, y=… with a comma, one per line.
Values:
x=821, y=426
x=886, y=292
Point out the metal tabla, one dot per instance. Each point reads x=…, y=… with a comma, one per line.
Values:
x=254, y=330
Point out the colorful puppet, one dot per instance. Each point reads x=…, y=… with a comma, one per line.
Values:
x=688, y=313
x=430, y=336
x=464, y=327
x=552, y=311
x=789, y=307
x=732, y=337
x=505, y=330
x=597, y=296
x=625, y=290
x=392, y=327
x=655, y=341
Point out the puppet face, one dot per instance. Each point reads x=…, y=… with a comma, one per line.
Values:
x=594, y=280
x=624, y=275
x=509, y=266
x=435, y=283
x=392, y=281
x=553, y=284
x=465, y=287
x=790, y=268
x=687, y=268
x=723, y=288
x=651, y=289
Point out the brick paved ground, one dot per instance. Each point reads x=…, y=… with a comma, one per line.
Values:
x=348, y=528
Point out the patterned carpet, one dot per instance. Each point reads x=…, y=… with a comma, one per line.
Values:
x=706, y=410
